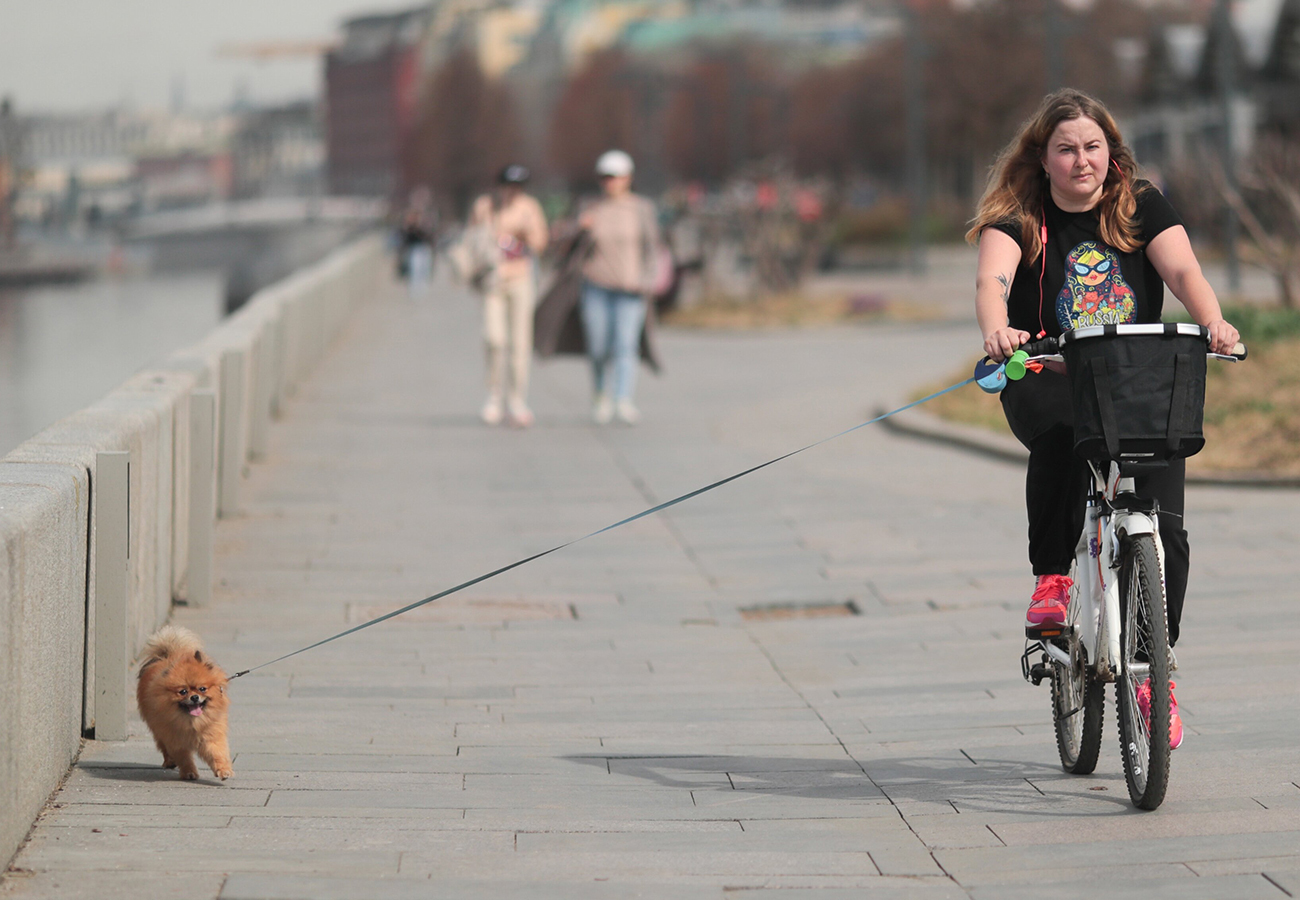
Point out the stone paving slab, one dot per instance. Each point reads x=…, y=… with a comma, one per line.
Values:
x=604, y=723
x=1169, y=885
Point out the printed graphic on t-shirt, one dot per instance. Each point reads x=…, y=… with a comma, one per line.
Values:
x=1095, y=292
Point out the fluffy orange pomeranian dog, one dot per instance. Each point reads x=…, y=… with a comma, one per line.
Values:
x=182, y=698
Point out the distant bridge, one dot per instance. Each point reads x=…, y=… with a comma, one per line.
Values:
x=255, y=242
x=248, y=215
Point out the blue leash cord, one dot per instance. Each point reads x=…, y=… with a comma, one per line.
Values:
x=641, y=515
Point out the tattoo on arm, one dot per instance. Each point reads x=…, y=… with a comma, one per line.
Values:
x=1005, y=281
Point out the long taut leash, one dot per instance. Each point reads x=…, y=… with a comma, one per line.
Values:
x=641, y=515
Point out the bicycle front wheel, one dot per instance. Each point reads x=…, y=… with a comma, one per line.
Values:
x=1144, y=676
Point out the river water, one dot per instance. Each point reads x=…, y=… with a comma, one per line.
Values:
x=63, y=347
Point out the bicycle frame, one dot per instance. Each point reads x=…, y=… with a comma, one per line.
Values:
x=1095, y=612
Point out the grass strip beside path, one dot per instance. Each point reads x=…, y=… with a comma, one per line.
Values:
x=1252, y=409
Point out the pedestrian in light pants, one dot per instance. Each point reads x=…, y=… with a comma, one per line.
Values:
x=508, y=334
x=519, y=232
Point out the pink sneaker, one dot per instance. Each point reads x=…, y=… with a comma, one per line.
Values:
x=1049, y=605
x=1175, y=720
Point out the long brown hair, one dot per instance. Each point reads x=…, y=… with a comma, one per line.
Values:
x=1017, y=187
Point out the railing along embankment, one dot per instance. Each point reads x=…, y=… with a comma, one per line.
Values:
x=106, y=518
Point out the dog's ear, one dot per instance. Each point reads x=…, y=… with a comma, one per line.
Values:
x=146, y=664
x=198, y=656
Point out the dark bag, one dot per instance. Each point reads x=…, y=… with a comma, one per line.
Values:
x=557, y=321
x=1138, y=392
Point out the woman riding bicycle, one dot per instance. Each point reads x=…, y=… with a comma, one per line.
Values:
x=1069, y=236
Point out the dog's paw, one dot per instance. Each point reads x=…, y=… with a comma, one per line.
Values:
x=223, y=774
x=189, y=776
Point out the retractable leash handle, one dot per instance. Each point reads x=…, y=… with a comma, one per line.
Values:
x=992, y=377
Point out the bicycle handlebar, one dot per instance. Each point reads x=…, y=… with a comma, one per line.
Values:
x=992, y=377
x=1048, y=346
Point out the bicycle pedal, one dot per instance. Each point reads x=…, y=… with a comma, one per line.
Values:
x=1034, y=672
x=1046, y=632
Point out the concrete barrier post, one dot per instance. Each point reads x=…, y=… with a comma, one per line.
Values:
x=203, y=477
x=291, y=369
x=259, y=403
x=231, y=461
x=277, y=358
x=112, y=650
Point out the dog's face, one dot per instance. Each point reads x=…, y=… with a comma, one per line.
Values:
x=193, y=685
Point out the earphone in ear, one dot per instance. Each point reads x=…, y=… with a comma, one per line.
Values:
x=1042, y=271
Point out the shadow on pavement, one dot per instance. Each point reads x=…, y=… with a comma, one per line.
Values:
x=986, y=786
x=142, y=772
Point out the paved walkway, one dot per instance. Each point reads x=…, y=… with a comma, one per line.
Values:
x=606, y=723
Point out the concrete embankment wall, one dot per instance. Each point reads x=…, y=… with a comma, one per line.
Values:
x=47, y=510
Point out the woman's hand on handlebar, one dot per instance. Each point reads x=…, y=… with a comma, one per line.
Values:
x=1223, y=337
x=1002, y=342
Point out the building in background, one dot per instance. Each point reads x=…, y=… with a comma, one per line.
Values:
x=1280, y=74
x=176, y=180
x=278, y=152
x=372, y=82
x=1180, y=119
x=11, y=162
x=504, y=34
x=101, y=165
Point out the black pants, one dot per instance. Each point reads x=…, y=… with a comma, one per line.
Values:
x=1040, y=414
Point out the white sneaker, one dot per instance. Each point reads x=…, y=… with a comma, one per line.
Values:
x=602, y=409
x=493, y=412
x=520, y=415
x=626, y=413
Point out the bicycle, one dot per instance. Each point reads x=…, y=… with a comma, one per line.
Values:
x=1117, y=625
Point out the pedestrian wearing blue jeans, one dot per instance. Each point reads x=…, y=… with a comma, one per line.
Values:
x=612, y=320
x=618, y=275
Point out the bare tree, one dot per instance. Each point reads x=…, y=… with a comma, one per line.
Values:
x=985, y=71
x=467, y=130
x=726, y=110
x=848, y=120
x=597, y=111
x=1268, y=205
x=1266, y=201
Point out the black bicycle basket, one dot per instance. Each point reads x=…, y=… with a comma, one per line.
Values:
x=1138, y=392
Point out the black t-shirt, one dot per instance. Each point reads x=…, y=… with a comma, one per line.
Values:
x=1086, y=281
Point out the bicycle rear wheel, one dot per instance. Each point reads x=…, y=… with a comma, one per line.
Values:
x=1144, y=644
x=1078, y=700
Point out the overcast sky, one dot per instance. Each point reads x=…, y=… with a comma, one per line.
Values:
x=84, y=54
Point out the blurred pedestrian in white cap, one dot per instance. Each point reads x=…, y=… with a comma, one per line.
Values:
x=619, y=276
x=519, y=226
x=615, y=164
